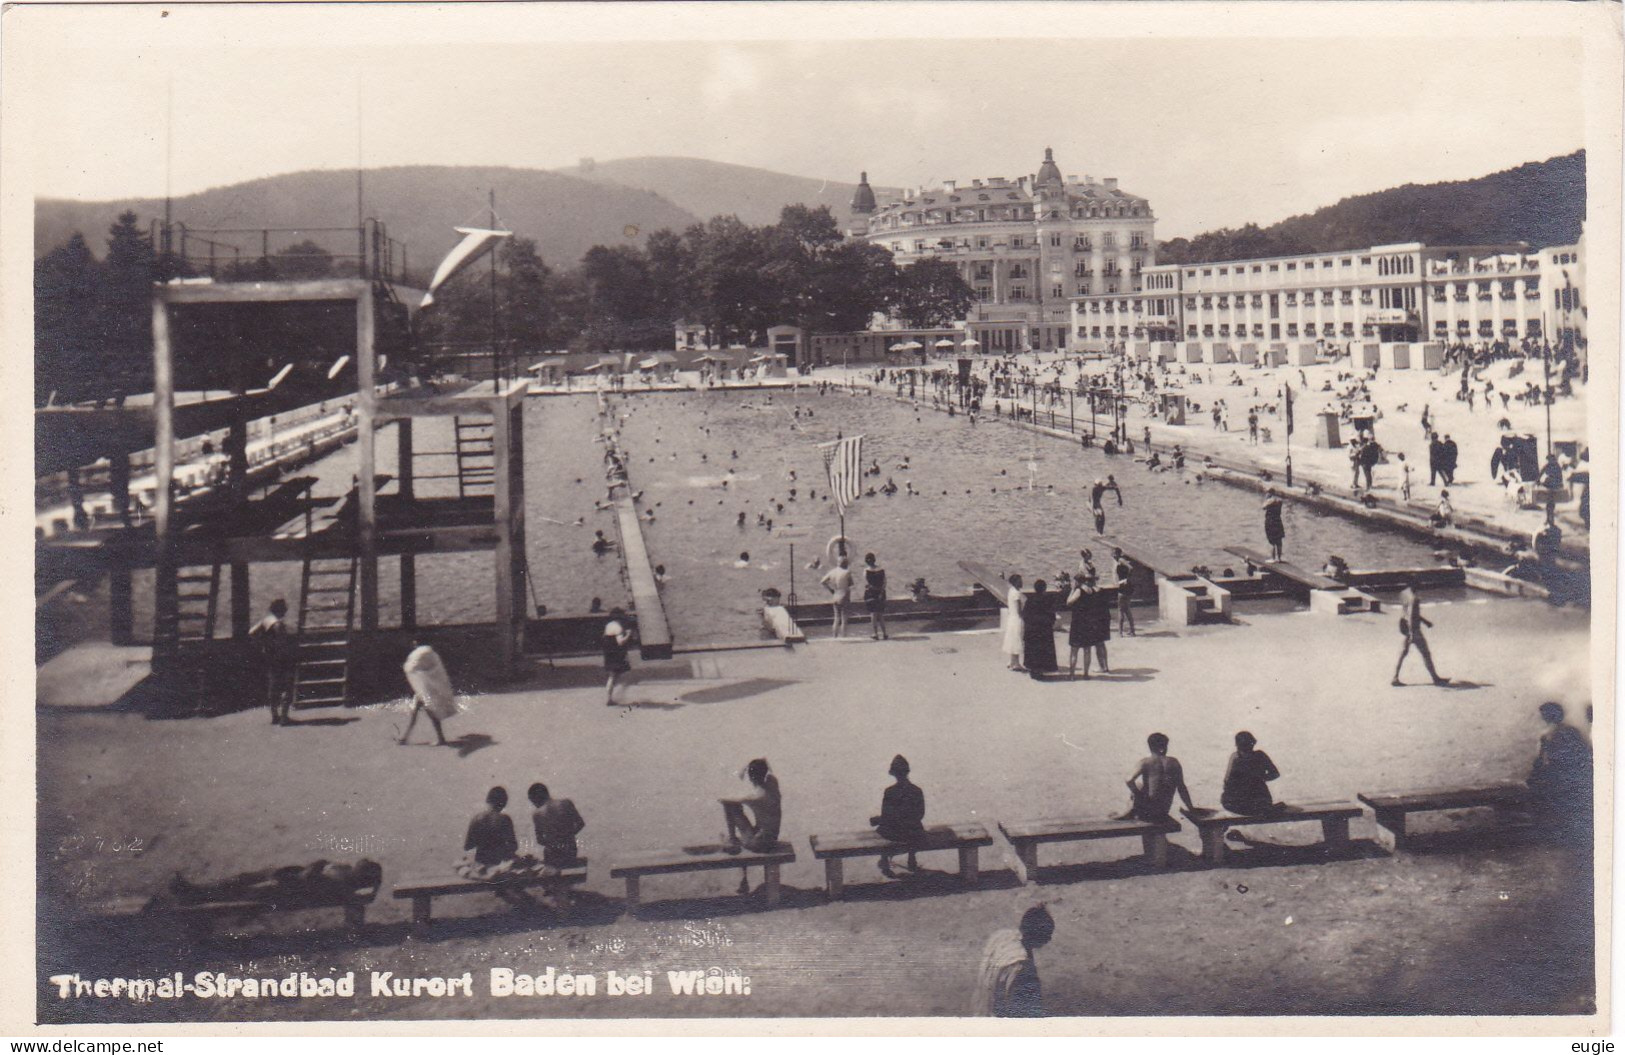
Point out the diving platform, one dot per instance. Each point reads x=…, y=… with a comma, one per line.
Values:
x=1184, y=598
x=1326, y=595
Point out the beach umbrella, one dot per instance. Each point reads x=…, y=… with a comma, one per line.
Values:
x=971, y=342
x=945, y=343
x=912, y=345
x=711, y=357
x=898, y=346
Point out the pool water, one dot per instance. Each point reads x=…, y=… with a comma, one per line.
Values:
x=1010, y=499
x=702, y=459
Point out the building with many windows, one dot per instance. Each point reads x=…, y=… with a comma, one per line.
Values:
x=1405, y=292
x=1026, y=247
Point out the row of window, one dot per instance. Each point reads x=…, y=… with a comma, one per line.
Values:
x=1136, y=244
x=1106, y=210
x=1291, y=265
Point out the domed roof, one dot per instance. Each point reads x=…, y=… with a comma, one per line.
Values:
x=863, y=199
x=1049, y=172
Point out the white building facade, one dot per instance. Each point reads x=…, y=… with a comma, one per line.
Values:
x=1403, y=292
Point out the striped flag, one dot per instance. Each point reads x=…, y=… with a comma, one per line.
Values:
x=843, y=465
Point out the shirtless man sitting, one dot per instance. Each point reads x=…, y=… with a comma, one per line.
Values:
x=1152, y=787
x=760, y=835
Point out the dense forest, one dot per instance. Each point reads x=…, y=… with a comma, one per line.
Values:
x=1542, y=203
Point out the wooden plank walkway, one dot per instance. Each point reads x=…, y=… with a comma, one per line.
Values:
x=654, y=632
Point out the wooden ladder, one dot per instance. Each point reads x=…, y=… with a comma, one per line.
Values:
x=321, y=674
x=476, y=456
x=183, y=623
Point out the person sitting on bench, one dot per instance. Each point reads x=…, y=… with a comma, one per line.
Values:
x=1246, y=781
x=1560, y=782
x=1152, y=787
x=318, y=883
x=491, y=850
x=762, y=834
x=557, y=824
x=902, y=814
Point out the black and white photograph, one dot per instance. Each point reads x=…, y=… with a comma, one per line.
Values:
x=552, y=515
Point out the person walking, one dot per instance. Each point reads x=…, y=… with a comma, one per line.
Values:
x=615, y=639
x=1275, y=524
x=1007, y=983
x=874, y=596
x=1411, y=622
x=838, y=581
x=1450, y=458
x=431, y=692
x=1435, y=459
x=275, y=644
x=1014, y=599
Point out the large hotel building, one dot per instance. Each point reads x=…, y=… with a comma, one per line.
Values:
x=1025, y=246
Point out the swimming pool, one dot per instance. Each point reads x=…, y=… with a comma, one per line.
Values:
x=1008, y=498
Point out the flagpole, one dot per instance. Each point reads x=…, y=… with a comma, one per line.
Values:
x=1289, y=434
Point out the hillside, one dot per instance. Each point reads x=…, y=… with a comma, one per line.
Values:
x=420, y=204
x=1542, y=203
x=711, y=188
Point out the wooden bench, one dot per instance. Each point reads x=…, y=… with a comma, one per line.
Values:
x=423, y=891
x=1334, y=820
x=1325, y=594
x=701, y=859
x=1391, y=808
x=1026, y=836
x=199, y=919
x=833, y=850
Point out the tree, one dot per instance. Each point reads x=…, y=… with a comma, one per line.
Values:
x=930, y=292
x=66, y=289
x=734, y=294
x=303, y=260
x=123, y=327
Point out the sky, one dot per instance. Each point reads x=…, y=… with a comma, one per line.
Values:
x=1217, y=120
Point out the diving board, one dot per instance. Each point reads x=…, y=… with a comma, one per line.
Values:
x=1183, y=597
x=1326, y=594
x=997, y=585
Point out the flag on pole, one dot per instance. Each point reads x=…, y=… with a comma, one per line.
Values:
x=843, y=465
x=1289, y=410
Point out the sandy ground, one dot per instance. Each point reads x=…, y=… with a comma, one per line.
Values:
x=1466, y=925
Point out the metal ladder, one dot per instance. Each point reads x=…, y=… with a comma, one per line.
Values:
x=321, y=674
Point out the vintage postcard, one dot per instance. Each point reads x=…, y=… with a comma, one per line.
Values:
x=879, y=518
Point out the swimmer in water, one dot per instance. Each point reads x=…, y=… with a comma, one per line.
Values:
x=744, y=560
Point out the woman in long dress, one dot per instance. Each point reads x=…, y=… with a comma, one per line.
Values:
x=1038, y=631
x=1013, y=600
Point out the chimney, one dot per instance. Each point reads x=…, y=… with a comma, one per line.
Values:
x=1072, y=179
x=1023, y=181
x=951, y=185
x=1111, y=182
x=1089, y=181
